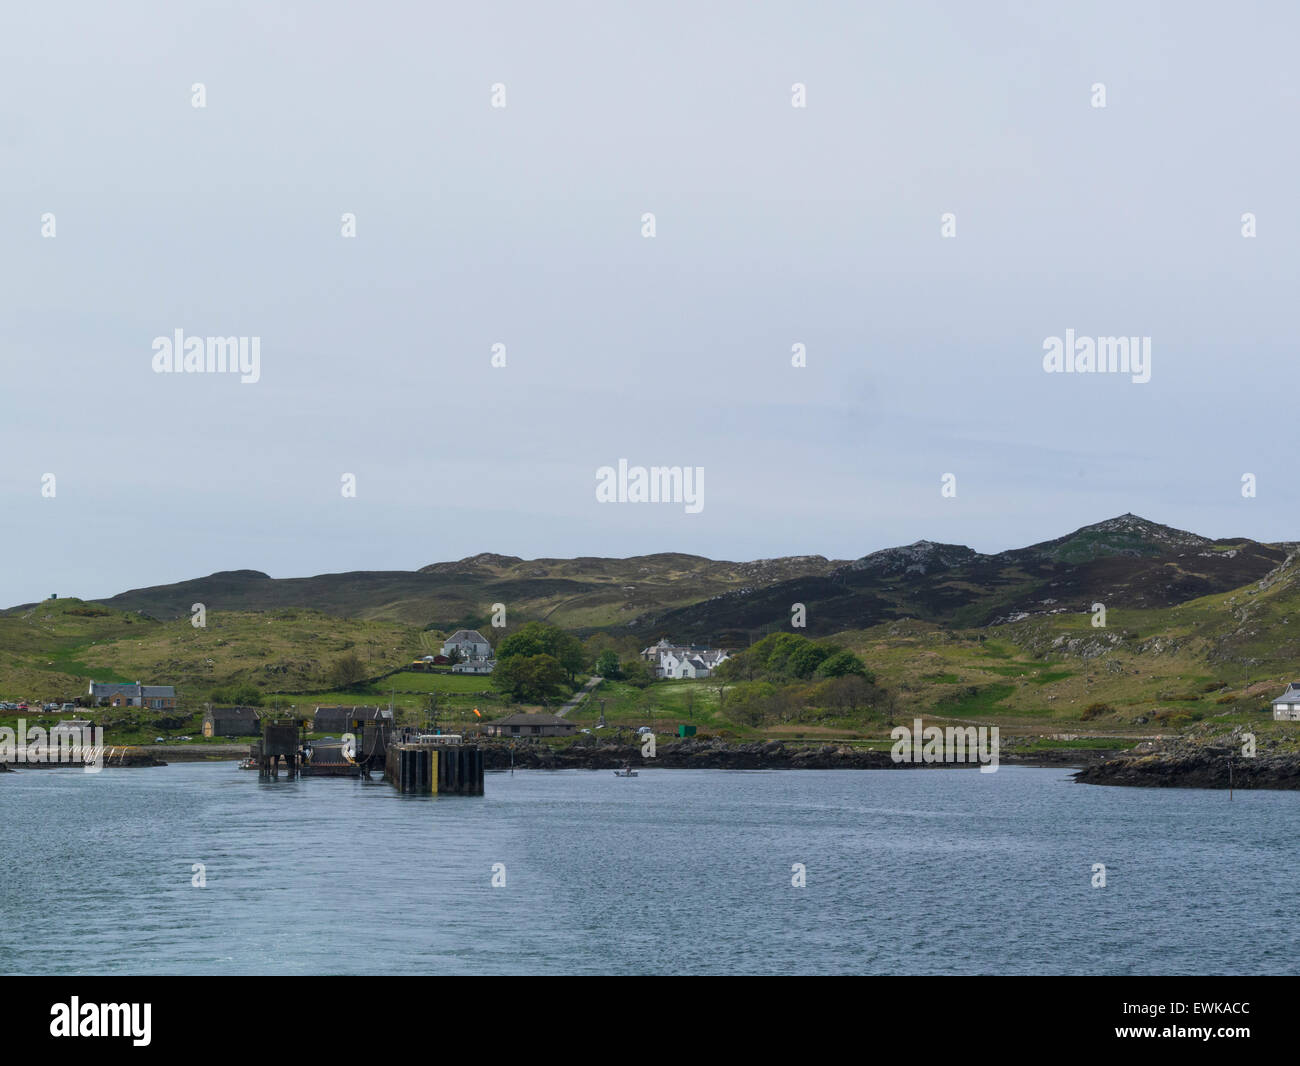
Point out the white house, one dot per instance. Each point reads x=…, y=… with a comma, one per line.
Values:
x=468, y=643
x=684, y=661
x=1286, y=708
x=683, y=666
x=474, y=666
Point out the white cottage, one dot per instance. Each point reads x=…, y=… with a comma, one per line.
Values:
x=680, y=664
x=1286, y=708
x=475, y=666
x=468, y=643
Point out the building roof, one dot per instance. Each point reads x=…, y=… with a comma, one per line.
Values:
x=1291, y=695
x=465, y=636
x=240, y=714
x=365, y=713
x=530, y=719
x=113, y=688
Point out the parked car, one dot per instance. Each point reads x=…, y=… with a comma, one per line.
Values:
x=645, y=729
x=184, y=738
x=68, y=707
x=160, y=740
x=22, y=706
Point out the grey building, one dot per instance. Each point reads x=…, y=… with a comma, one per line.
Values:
x=530, y=725
x=347, y=719
x=1286, y=708
x=232, y=722
x=155, y=697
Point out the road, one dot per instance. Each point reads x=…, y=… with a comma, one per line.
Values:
x=579, y=696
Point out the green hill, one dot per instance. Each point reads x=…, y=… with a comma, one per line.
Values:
x=1199, y=633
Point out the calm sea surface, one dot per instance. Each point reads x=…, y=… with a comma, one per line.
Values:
x=675, y=872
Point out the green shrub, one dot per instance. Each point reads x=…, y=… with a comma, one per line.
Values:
x=1096, y=710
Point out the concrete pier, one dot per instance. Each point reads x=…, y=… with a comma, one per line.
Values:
x=279, y=747
x=432, y=767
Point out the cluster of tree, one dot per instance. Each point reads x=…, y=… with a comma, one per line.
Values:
x=529, y=678
x=634, y=670
x=245, y=695
x=539, y=638
x=537, y=661
x=789, y=657
x=757, y=703
x=616, y=657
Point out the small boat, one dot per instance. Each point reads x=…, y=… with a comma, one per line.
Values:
x=248, y=764
x=625, y=773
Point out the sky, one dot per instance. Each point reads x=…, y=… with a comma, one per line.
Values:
x=524, y=226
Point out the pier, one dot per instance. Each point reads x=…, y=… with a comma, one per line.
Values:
x=430, y=764
x=282, y=740
x=434, y=765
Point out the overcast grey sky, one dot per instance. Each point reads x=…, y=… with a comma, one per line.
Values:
x=521, y=225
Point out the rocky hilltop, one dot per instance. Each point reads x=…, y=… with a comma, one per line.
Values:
x=1125, y=562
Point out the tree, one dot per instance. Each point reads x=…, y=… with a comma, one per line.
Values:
x=636, y=672
x=645, y=705
x=529, y=678
x=804, y=659
x=601, y=642
x=539, y=638
x=772, y=654
x=748, y=706
x=849, y=692
x=607, y=664
x=245, y=695
x=347, y=670
x=843, y=663
x=788, y=656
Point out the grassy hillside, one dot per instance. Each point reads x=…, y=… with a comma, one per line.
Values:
x=1172, y=657
x=52, y=650
x=575, y=593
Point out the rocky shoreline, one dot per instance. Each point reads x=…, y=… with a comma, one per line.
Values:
x=1182, y=764
x=693, y=753
x=1172, y=763
x=712, y=754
